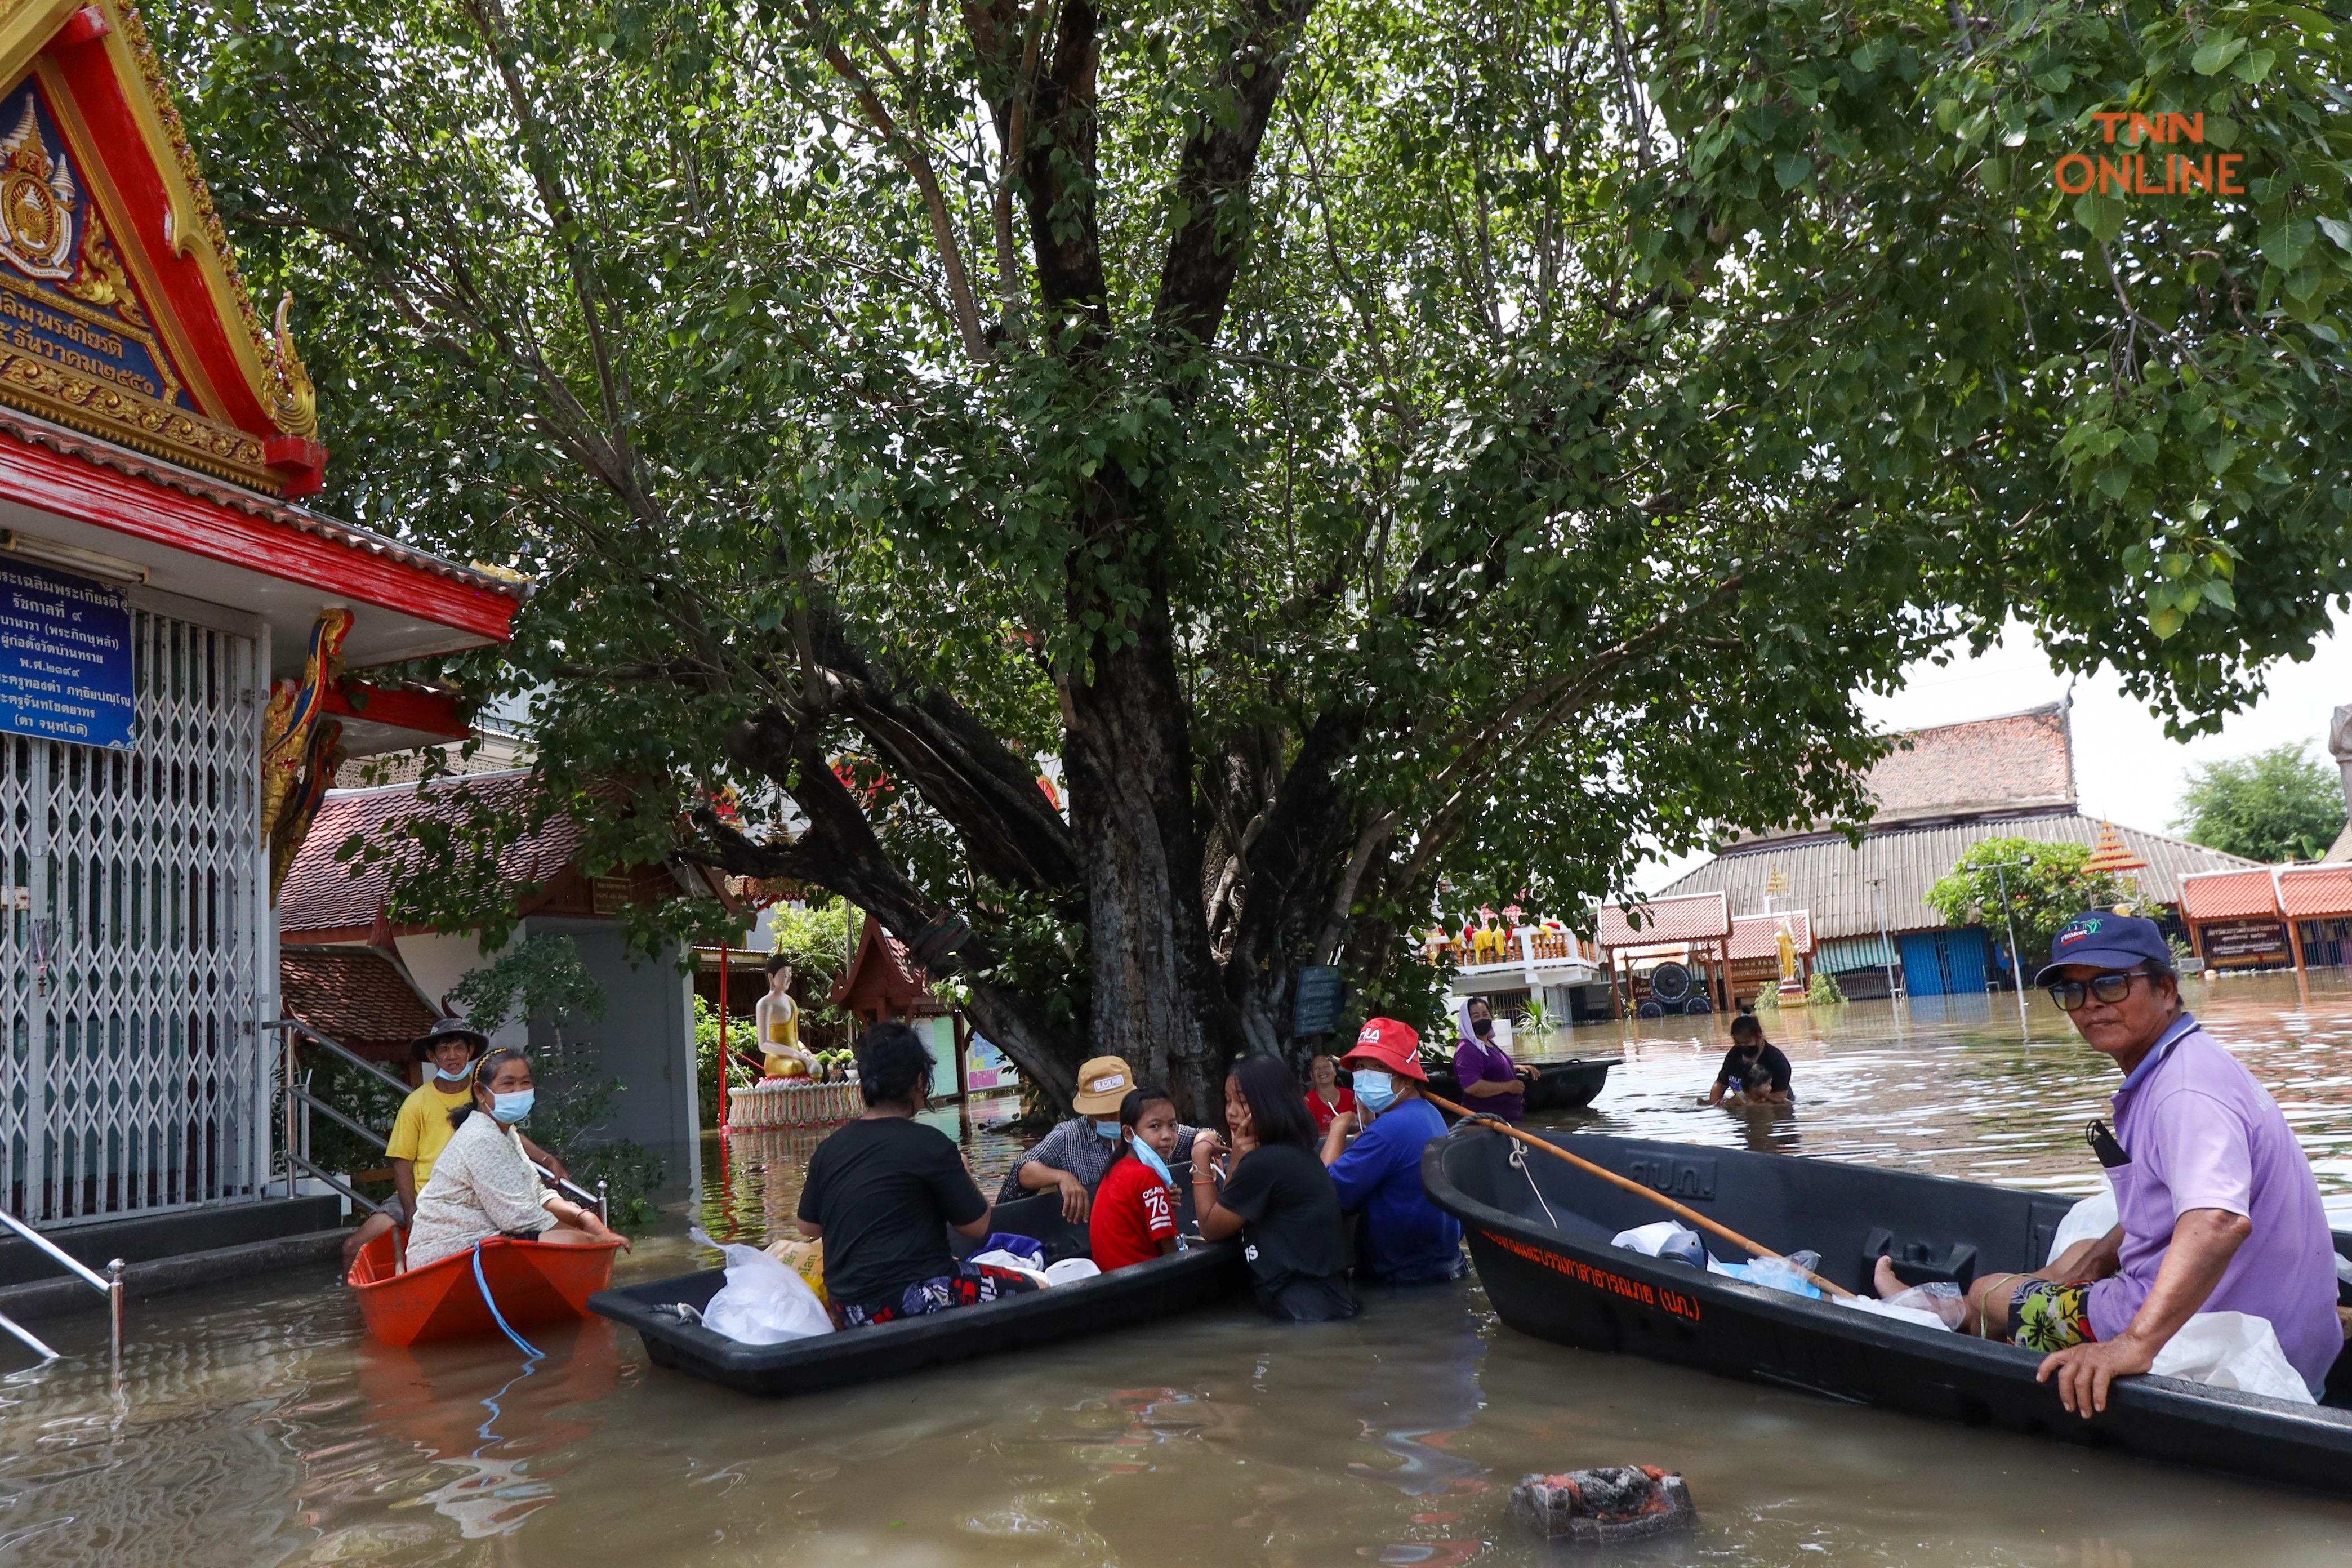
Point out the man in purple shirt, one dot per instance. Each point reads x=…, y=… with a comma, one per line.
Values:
x=1491, y=1084
x=2219, y=1209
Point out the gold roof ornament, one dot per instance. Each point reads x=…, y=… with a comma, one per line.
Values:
x=2111, y=854
x=293, y=401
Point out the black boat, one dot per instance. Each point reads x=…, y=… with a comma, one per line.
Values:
x=1558, y=1086
x=1197, y=1276
x=1540, y=1231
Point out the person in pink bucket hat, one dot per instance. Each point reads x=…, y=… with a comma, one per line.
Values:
x=1404, y=1239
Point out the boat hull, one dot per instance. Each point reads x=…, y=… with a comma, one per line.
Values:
x=1557, y=1279
x=1201, y=1276
x=1558, y=1086
x=534, y=1283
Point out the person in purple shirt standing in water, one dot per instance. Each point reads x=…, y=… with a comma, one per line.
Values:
x=1490, y=1082
x=2220, y=1211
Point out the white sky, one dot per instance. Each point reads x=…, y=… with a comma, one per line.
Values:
x=2125, y=767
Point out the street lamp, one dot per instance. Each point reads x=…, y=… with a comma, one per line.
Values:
x=1878, y=897
x=2001, y=869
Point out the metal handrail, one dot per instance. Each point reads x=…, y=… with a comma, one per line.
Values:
x=319, y=1174
x=297, y=1026
x=109, y=1285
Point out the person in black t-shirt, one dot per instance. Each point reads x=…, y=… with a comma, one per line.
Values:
x=1279, y=1197
x=1754, y=1068
x=882, y=1191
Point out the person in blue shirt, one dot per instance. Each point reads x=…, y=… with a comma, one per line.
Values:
x=1404, y=1238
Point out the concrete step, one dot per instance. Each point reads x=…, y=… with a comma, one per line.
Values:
x=64, y=1294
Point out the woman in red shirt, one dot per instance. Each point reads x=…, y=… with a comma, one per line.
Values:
x=1134, y=1215
x=1326, y=1097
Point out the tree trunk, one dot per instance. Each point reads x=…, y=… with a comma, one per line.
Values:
x=1129, y=766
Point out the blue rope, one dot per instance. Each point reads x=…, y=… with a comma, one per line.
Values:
x=523, y=1344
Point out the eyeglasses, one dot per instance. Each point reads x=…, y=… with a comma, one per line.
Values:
x=2072, y=995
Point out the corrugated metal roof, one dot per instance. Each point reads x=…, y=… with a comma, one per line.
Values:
x=1698, y=917
x=2229, y=894
x=2315, y=893
x=1833, y=878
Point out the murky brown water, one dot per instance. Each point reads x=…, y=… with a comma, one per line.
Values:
x=257, y=1427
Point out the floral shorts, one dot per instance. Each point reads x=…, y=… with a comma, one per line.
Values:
x=969, y=1285
x=2047, y=1315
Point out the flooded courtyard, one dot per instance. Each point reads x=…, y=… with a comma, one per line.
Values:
x=255, y=1425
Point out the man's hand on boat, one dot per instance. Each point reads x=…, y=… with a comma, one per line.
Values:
x=2203, y=1243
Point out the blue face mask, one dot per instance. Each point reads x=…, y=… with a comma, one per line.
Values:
x=460, y=1076
x=1375, y=1091
x=1151, y=1156
x=1107, y=1129
x=512, y=1107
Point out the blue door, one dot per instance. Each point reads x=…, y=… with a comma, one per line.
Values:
x=1943, y=963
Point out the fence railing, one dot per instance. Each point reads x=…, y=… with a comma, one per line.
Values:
x=109, y=1285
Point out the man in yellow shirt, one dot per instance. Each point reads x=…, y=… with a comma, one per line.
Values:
x=422, y=1130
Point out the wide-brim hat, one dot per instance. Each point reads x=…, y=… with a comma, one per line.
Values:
x=2101, y=939
x=1392, y=1043
x=1103, y=1082
x=447, y=1029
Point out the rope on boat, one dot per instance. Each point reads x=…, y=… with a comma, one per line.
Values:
x=521, y=1345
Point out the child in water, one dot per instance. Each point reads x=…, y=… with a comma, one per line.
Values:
x=1134, y=1218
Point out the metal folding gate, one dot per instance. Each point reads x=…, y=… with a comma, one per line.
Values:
x=131, y=967
x=1943, y=963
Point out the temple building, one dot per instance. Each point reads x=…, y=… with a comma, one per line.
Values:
x=184, y=646
x=1944, y=791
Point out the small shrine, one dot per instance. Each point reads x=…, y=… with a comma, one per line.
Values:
x=182, y=673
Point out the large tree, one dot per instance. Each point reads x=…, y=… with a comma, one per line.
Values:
x=1372, y=454
x=2278, y=805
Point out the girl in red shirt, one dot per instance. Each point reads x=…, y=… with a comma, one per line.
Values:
x=1134, y=1215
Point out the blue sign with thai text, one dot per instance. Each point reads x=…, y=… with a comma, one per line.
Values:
x=65, y=658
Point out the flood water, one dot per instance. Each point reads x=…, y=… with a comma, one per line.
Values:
x=255, y=1425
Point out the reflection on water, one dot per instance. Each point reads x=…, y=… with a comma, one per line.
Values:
x=257, y=1428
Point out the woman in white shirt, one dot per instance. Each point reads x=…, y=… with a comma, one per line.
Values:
x=483, y=1184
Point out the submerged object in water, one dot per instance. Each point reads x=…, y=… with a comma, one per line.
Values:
x=1540, y=1232
x=533, y=1282
x=1604, y=1506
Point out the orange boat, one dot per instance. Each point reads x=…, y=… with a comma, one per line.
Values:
x=533, y=1283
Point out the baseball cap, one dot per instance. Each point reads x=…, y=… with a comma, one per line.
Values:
x=1394, y=1044
x=1103, y=1083
x=2101, y=939
x=447, y=1029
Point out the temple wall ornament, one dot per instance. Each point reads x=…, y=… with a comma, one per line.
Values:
x=293, y=763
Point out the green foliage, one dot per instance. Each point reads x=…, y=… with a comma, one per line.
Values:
x=820, y=938
x=541, y=979
x=1824, y=990
x=357, y=1093
x=2278, y=804
x=1363, y=448
x=2047, y=886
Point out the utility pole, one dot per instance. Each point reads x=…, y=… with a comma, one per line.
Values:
x=2001, y=869
x=1878, y=897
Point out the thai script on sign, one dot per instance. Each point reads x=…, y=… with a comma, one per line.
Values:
x=64, y=658
x=2126, y=173
x=1647, y=1294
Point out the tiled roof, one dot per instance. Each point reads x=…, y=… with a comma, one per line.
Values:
x=2016, y=763
x=2229, y=894
x=2315, y=893
x=1701, y=917
x=1833, y=879
x=355, y=996
x=321, y=894
x=1759, y=936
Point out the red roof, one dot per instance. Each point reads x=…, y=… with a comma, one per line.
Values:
x=2229, y=895
x=1696, y=917
x=2315, y=893
x=356, y=996
x=1759, y=936
x=321, y=894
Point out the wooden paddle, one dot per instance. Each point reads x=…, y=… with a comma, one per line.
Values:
x=1630, y=1185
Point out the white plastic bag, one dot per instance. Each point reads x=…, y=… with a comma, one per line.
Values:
x=763, y=1302
x=1646, y=1239
x=1877, y=1309
x=2086, y=1221
x=1070, y=1270
x=2232, y=1350
x=1013, y=1263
